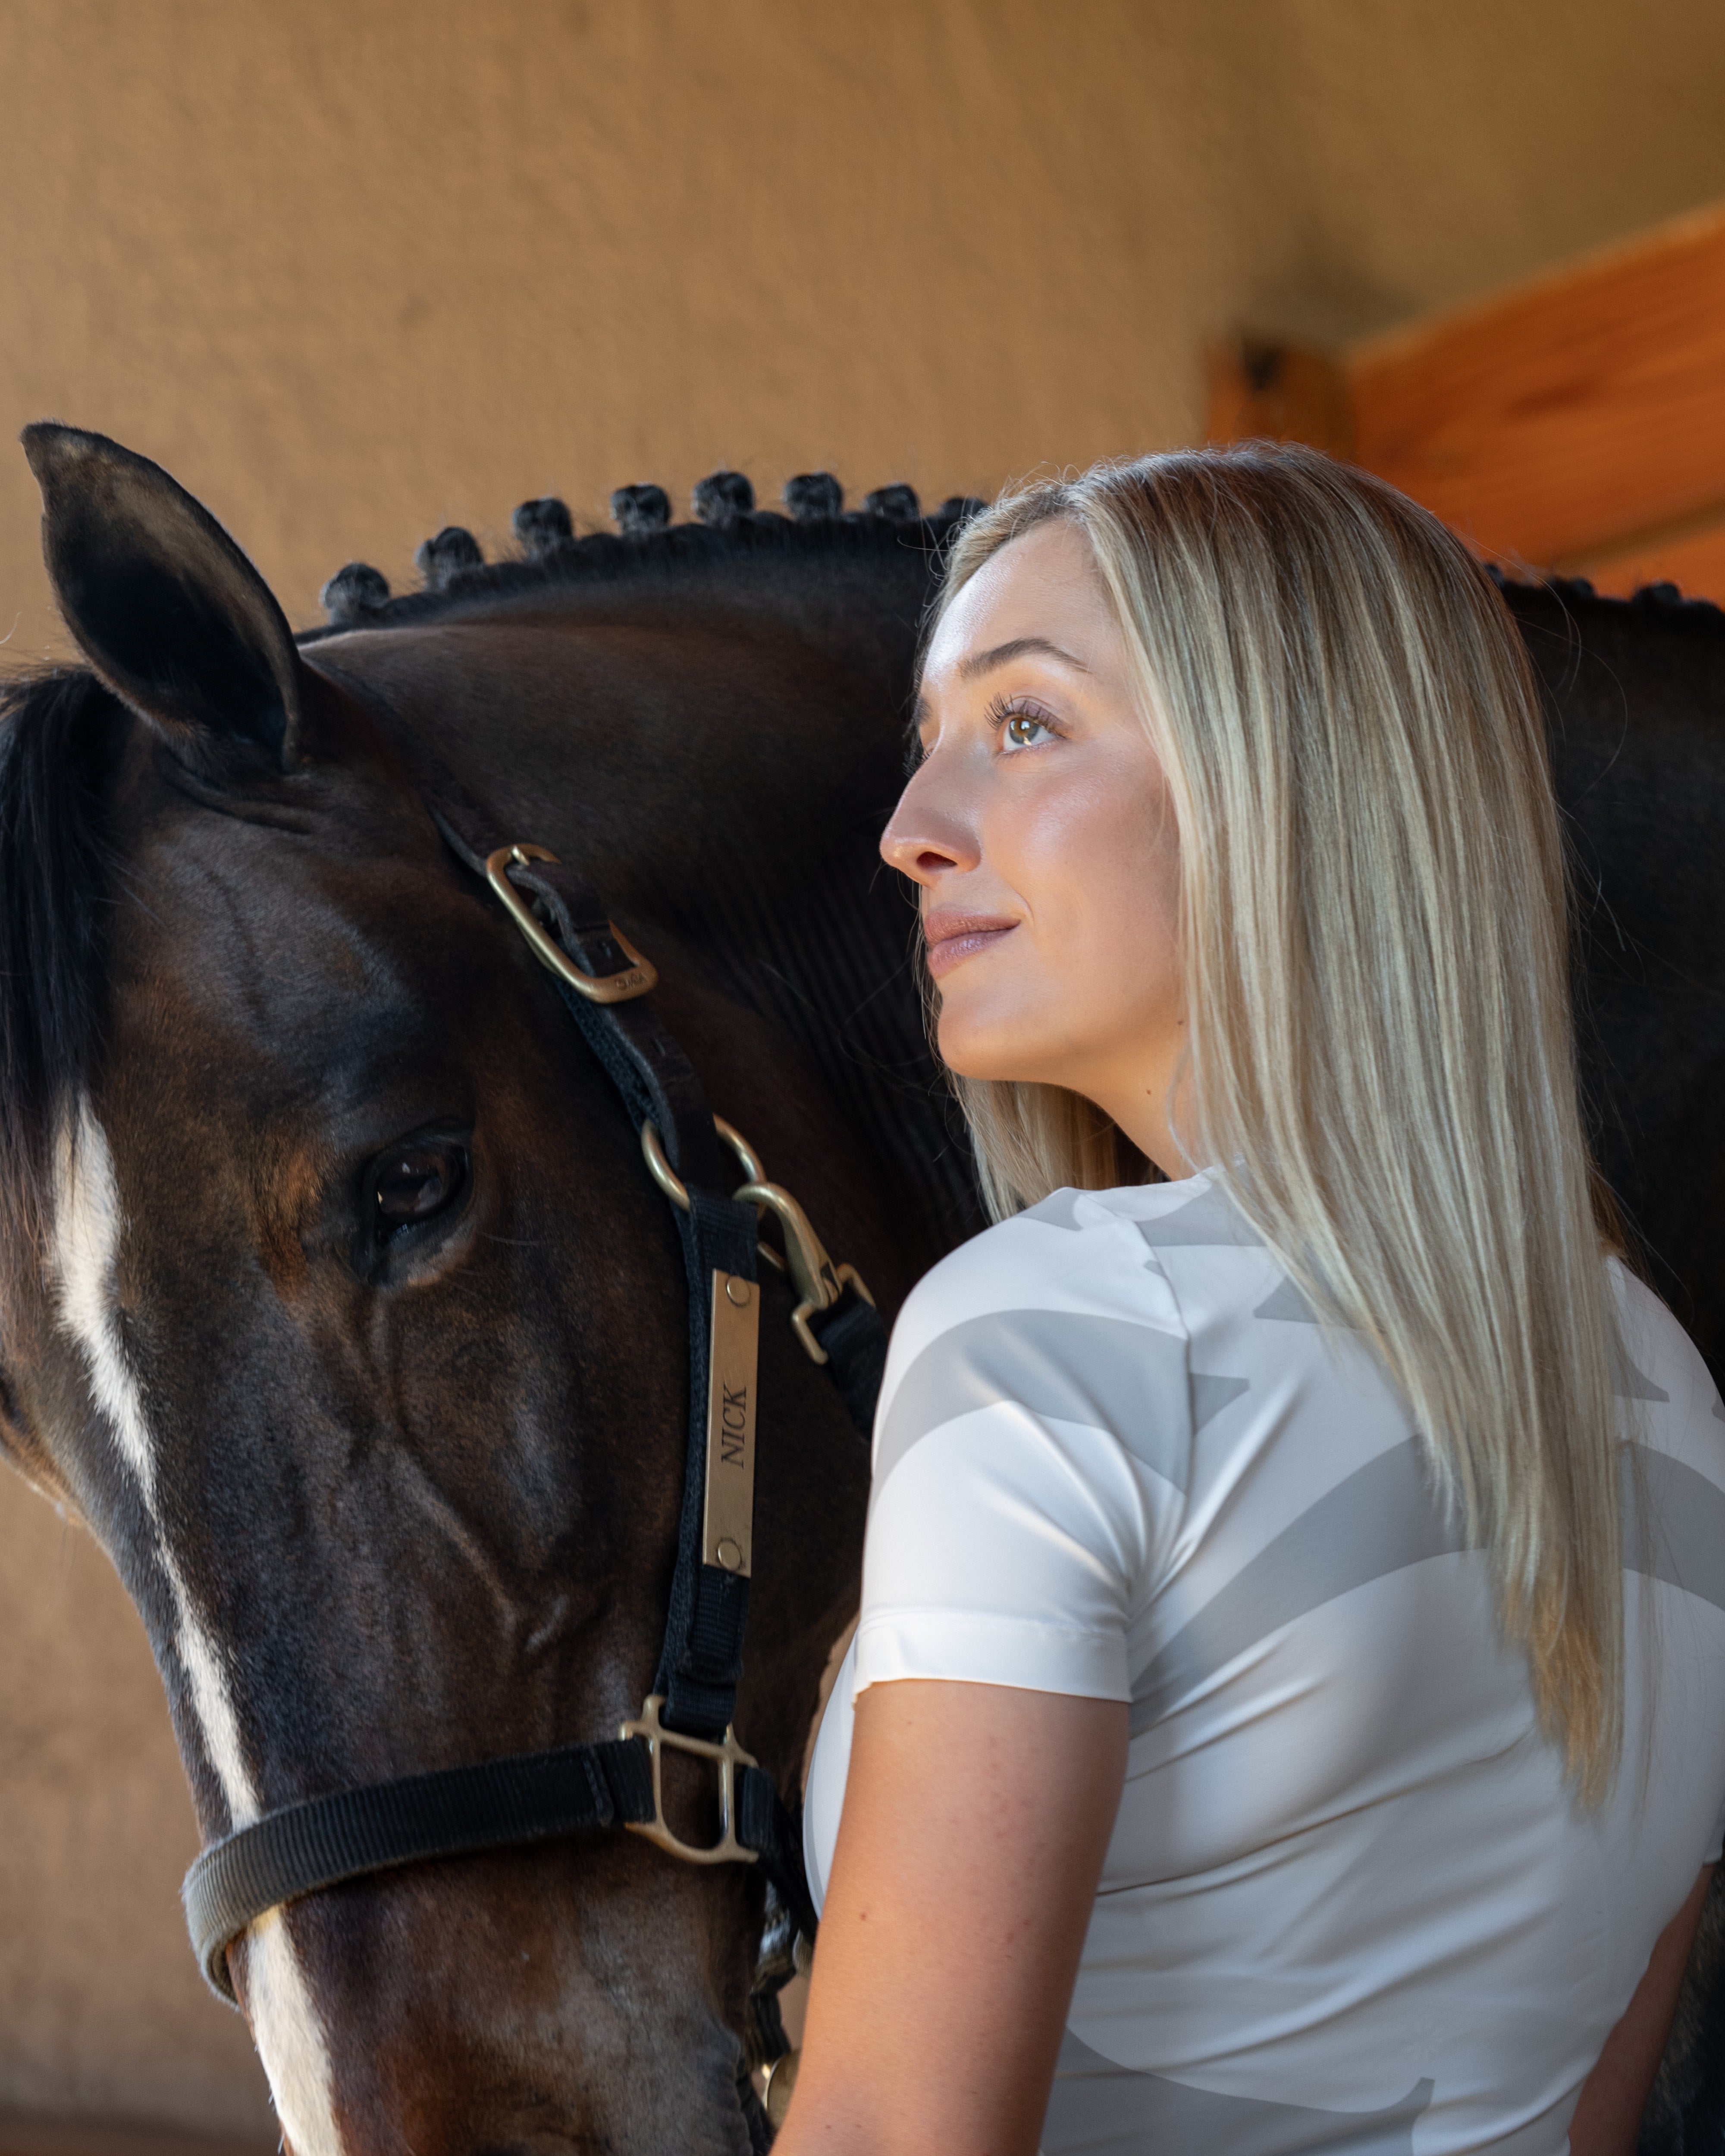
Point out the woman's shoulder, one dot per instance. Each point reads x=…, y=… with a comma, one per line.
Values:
x=1064, y=1308
x=1076, y=1250
x=1658, y=1371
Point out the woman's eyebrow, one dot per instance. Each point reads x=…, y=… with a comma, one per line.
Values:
x=985, y=662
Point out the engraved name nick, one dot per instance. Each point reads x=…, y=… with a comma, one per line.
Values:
x=733, y=1427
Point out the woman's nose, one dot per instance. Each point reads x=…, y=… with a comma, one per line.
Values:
x=930, y=833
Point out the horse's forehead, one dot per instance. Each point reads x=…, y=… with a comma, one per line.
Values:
x=221, y=913
x=461, y=661
x=484, y=661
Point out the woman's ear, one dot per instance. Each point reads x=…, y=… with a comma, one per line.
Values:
x=164, y=605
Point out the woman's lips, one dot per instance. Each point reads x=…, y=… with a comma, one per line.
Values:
x=953, y=937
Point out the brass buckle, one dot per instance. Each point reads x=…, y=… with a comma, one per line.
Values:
x=635, y=979
x=815, y=1279
x=730, y=1756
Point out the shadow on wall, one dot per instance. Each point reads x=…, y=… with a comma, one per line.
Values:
x=47, y=2137
x=1574, y=422
x=103, y=2009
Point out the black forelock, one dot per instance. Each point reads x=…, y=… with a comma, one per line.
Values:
x=60, y=735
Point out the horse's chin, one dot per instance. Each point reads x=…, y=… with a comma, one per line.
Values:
x=498, y=2006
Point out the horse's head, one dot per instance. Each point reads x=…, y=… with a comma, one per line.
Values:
x=339, y=1306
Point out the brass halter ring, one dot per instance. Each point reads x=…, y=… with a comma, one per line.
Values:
x=818, y=1282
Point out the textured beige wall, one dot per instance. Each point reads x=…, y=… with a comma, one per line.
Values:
x=353, y=268
x=102, y=2011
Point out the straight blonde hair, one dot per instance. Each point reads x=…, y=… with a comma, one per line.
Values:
x=1374, y=929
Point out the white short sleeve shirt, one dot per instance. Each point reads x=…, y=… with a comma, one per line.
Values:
x=1350, y=1902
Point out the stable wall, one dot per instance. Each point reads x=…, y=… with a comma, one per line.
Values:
x=353, y=271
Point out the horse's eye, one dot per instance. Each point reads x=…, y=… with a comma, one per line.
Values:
x=417, y=1181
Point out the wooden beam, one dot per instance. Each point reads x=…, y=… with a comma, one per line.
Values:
x=1691, y=556
x=1290, y=392
x=1548, y=422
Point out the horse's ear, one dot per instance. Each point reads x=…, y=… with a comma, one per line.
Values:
x=166, y=608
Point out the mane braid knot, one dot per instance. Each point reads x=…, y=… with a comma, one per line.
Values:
x=542, y=527
x=446, y=556
x=897, y=503
x=811, y=495
x=722, y=498
x=353, y=592
x=640, y=511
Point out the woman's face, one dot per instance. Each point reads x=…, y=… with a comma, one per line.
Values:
x=1038, y=826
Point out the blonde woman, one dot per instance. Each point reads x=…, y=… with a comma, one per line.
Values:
x=1287, y=1712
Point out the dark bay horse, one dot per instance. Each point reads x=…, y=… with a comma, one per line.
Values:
x=337, y=1299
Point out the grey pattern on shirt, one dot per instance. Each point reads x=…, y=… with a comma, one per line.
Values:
x=1097, y=2108
x=1386, y=1516
x=1382, y=1517
x=1066, y=1366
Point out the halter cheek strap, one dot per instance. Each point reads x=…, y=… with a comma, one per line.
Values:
x=304, y=1848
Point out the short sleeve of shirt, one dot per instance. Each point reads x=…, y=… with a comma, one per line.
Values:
x=1030, y=1464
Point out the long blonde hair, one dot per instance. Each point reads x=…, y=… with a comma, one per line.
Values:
x=1374, y=924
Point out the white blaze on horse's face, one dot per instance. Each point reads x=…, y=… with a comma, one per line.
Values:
x=87, y=1228
x=86, y=1248
x=290, y=2038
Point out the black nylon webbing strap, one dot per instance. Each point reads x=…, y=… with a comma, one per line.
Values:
x=701, y=1663
x=855, y=1341
x=642, y=1061
x=776, y=1836
x=306, y=1847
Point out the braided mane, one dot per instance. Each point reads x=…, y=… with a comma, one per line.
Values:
x=729, y=530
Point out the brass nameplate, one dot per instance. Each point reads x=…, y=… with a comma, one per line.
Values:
x=728, y=1520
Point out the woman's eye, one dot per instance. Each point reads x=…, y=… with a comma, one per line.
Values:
x=1023, y=729
x=417, y=1182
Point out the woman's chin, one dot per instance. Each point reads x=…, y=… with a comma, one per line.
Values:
x=986, y=1053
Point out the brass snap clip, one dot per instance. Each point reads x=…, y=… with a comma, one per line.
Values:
x=815, y=1278
x=729, y=1755
x=635, y=979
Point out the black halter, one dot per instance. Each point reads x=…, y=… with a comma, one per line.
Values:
x=306, y=1847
